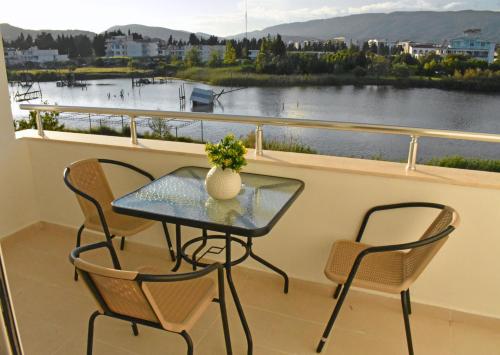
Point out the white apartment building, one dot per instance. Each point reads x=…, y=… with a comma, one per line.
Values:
x=33, y=55
x=126, y=46
x=418, y=50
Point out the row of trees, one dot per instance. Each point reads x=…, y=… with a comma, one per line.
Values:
x=78, y=46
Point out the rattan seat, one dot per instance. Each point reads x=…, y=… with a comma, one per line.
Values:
x=381, y=272
x=171, y=302
x=386, y=268
x=178, y=305
x=86, y=178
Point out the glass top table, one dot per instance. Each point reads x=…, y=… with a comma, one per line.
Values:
x=180, y=197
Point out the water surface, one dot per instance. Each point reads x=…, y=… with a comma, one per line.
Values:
x=427, y=108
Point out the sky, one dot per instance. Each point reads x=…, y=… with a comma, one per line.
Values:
x=219, y=17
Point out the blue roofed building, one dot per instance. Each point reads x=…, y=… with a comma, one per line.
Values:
x=471, y=44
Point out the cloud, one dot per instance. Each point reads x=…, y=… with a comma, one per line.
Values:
x=452, y=5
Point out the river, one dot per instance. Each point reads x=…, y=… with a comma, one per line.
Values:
x=427, y=108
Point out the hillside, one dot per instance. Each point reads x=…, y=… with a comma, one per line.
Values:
x=155, y=32
x=421, y=26
x=10, y=33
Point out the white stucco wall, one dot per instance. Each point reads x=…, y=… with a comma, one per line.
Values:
x=330, y=208
x=18, y=203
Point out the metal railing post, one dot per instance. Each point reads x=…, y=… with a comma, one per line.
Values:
x=133, y=130
x=412, y=153
x=39, y=124
x=259, y=136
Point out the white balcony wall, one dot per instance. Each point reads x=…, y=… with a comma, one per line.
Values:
x=18, y=205
x=463, y=276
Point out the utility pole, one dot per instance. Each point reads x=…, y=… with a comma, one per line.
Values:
x=246, y=19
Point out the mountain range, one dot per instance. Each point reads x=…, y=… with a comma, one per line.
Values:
x=422, y=26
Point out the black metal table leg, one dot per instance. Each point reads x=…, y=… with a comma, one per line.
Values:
x=234, y=293
x=269, y=265
x=178, y=247
x=200, y=248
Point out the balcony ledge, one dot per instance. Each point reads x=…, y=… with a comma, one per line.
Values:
x=433, y=174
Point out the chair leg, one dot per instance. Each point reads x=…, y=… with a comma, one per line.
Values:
x=404, y=303
x=337, y=291
x=169, y=241
x=189, y=342
x=134, y=329
x=333, y=317
x=78, y=242
x=122, y=243
x=90, y=337
x=408, y=300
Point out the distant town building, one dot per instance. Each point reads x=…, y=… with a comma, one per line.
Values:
x=418, y=50
x=33, y=55
x=127, y=46
x=472, y=45
x=253, y=53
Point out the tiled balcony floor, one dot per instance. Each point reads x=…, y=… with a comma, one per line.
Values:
x=52, y=311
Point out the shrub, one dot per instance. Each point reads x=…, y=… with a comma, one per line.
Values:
x=50, y=122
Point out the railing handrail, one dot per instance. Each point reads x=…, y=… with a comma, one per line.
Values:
x=259, y=121
x=274, y=121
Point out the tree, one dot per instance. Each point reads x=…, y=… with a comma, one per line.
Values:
x=159, y=127
x=380, y=65
x=45, y=41
x=401, y=70
x=230, y=54
x=99, y=45
x=193, y=40
x=193, y=57
x=214, y=60
x=83, y=46
x=50, y=122
x=278, y=47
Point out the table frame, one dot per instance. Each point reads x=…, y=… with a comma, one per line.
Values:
x=227, y=232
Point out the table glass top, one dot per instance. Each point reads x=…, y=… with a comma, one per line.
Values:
x=181, y=196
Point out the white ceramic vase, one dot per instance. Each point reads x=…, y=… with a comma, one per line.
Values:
x=223, y=184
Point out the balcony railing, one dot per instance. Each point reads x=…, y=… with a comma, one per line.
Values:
x=259, y=121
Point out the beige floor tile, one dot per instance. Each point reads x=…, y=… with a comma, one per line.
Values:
x=305, y=300
x=53, y=310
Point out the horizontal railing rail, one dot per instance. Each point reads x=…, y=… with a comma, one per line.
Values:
x=259, y=121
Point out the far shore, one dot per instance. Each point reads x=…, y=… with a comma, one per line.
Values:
x=233, y=77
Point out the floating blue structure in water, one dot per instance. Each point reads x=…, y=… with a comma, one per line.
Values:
x=202, y=97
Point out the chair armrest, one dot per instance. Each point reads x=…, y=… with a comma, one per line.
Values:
x=128, y=166
x=372, y=210
x=75, y=253
x=395, y=247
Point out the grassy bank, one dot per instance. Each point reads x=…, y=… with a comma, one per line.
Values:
x=238, y=76
x=467, y=163
x=84, y=73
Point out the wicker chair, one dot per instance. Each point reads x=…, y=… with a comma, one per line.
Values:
x=386, y=268
x=173, y=303
x=87, y=180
